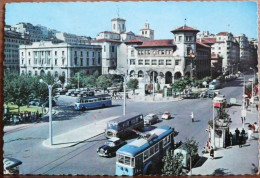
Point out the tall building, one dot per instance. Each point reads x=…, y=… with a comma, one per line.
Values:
x=253, y=47
x=168, y=59
x=244, y=50
x=63, y=59
x=12, y=40
x=113, y=48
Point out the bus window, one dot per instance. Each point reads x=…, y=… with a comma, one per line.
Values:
x=152, y=150
x=133, y=162
x=107, y=98
x=146, y=154
x=127, y=160
x=120, y=159
x=156, y=147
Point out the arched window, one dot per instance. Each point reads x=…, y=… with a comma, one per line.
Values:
x=132, y=73
x=35, y=73
x=56, y=75
x=63, y=74
x=140, y=73
x=30, y=73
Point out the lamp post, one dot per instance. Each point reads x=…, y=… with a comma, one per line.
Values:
x=124, y=86
x=50, y=108
x=253, y=83
x=153, y=86
x=213, y=138
x=243, y=112
x=78, y=80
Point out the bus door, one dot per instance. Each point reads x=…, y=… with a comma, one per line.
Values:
x=139, y=164
x=161, y=149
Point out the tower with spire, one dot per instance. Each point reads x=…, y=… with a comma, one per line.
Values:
x=147, y=32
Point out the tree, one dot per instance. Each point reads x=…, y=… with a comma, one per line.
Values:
x=172, y=164
x=96, y=74
x=62, y=79
x=132, y=84
x=89, y=81
x=178, y=86
x=16, y=89
x=192, y=149
x=104, y=81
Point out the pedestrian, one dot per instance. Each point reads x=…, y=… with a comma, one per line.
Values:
x=237, y=135
x=212, y=153
x=192, y=117
x=249, y=133
x=240, y=141
x=243, y=134
x=256, y=127
x=256, y=107
x=242, y=119
x=231, y=138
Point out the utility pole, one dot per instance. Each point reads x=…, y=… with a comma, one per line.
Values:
x=213, y=138
x=153, y=86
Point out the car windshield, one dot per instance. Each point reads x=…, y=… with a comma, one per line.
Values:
x=212, y=83
x=111, y=144
x=112, y=125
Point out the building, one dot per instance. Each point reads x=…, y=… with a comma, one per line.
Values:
x=253, y=59
x=71, y=38
x=63, y=59
x=225, y=46
x=244, y=51
x=168, y=59
x=113, y=48
x=11, y=49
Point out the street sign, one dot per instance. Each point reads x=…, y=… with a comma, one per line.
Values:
x=243, y=113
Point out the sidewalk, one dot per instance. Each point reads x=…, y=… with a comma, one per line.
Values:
x=79, y=135
x=232, y=160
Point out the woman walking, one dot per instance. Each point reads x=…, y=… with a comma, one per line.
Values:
x=212, y=153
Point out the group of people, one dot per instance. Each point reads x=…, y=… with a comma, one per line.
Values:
x=23, y=117
x=240, y=137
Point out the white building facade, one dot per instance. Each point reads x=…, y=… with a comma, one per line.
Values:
x=59, y=59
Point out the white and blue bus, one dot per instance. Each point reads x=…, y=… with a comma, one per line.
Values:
x=124, y=126
x=92, y=102
x=143, y=155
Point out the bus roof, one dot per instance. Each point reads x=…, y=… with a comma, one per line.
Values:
x=139, y=145
x=126, y=117
x=97, y=96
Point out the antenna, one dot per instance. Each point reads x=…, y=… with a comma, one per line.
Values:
x=117, y=11
x=185, y=21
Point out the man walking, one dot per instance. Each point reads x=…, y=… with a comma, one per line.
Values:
x=237, y=135
x=192, y=117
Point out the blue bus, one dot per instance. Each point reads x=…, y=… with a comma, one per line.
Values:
x=125, y=125
x=92, y=102
x=143, y=155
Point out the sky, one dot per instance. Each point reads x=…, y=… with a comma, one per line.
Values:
x=90, y=18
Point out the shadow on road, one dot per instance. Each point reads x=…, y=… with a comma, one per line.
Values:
x=219, y=157
x=201, y=161
x=221, y=171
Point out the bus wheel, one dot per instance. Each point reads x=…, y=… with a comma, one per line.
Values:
x=103, y=105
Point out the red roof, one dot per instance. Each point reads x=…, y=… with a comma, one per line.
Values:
x=222, y=33
x=106, y=40
x=202, y=44
x=185, y=28
x=134, y=40
x=157, y=43
x=208, y=40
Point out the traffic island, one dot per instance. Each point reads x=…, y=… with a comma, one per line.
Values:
x=79, y=135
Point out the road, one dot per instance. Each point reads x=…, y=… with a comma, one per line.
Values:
x=26, y=144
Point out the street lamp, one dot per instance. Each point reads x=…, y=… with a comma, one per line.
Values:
x=50, y=108
x=253, y=83
x=78, y=80
x=213, y=138
x=124, y=86
x=243, y=112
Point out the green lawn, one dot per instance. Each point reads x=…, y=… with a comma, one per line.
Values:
x=14, y=109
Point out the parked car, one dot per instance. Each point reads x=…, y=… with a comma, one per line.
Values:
x=11, y=165
x=35, y=102
x=214, y=84
x=151, y=119
x=166, y=115
x=110, y=147
x=46, y=103
x=212, y=93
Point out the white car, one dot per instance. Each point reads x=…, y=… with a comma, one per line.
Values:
x=166, y=115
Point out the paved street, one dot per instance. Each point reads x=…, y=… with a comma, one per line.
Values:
x=26, y=144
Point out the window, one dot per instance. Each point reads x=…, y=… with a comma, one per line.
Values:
x=104, y=48
x=56, y=61
x=132, y=52
x=140, y=62
x=81, y=62
x=93, y=54
x=87, y=61
x=29, y=61
x=140, y=74
x=123, y=26
x=146, y=154
x=188, y=38
x=93, y=61
x=99, y=60
x=81, y=53
x=63, y=61
x=147, y=62
x=62, y=53
x=151, y=150
x=180, y=38
x=75, y=61
x=219, y=48
x=114, y=26
x=29, y=53
x=112, y=48
x=161, y=62
x=132, y=61
x=154, y=62
x=35, y=73
x=168, y=62
x=55, y=53
x=156, y=147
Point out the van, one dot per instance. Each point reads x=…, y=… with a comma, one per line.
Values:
x=215, y=84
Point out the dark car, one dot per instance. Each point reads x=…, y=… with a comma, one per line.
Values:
x=46, y=103
x=110, y=147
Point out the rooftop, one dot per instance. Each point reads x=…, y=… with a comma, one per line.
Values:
x=222, y=33
x=202, y=44
x=208, y=40
x=106, y=40
x=118, y=19
x=134, y=40
x=185, y=28
x=109, y=32
x=158, y=43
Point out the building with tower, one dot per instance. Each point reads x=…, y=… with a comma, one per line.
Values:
x=168, y=59
x=147, y=32
x=113, y=47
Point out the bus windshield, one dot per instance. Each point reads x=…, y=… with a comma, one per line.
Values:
x=112, y=125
